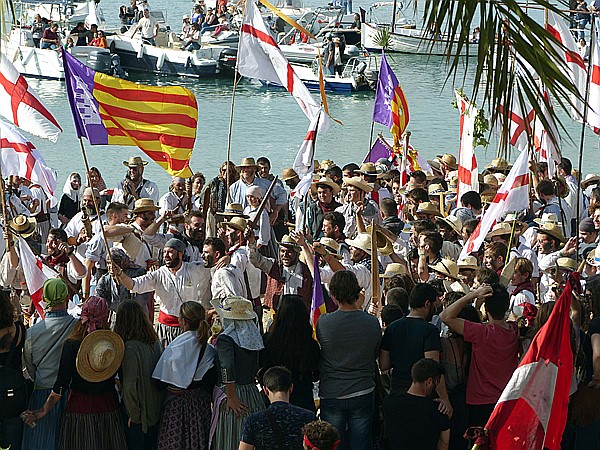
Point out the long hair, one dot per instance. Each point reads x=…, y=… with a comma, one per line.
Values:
x=290, y=337
x=132, y=323
x=194, y=315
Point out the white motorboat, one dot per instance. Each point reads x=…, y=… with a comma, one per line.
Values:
x=68, y=12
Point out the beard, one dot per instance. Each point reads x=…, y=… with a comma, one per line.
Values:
x=173, y=262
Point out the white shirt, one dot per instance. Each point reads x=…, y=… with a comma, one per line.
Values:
x=370, y=214
x=147, y=26
x=190, y=283
x=545, y=262
x=75, y=225
x=146, y=189
x=363, y=275
x=227, y=281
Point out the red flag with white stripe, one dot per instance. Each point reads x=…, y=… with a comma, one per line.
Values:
x=577, y=70
x=532, y=410
x=20, y=157
x=512, y=196
x=468, y=178
x=20, y=105
x=260, y=57
x=35, y=273
x=304, y=162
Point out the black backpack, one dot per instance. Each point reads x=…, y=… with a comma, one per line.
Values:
x=13, y=389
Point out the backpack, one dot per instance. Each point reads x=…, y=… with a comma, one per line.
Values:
x=13, y=389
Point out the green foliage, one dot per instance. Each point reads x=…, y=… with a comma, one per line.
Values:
x=482, y=124
x=382, y=38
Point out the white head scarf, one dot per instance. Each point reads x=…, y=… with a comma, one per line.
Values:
x=244, y=333
x=69, y=191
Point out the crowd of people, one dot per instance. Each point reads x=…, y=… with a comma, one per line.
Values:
x=188, y=320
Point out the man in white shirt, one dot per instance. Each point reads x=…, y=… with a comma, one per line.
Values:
x=356, y=189
x=77, y=225
x=134, y=186
x=175, y=202
x=226, y=281
x=148, y=27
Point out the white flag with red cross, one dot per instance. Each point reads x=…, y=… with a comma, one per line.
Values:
x=468, y=177
x=304, y=163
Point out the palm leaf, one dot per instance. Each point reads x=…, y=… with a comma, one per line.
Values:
x=382, y=38
x=516, y=56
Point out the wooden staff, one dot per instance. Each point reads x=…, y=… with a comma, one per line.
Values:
x=510, y=240
x=263, y=205
x=375, y=285
x=235, y=82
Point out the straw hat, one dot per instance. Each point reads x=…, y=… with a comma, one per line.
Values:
x=185, y=16
x=449, y=160
x=553, y=230
x=558, y=180
x=287, y=241
x=435, y=163
x=384, y=246
x=394, y=269
x=326, y=164
x=233, y=210
x=499, y=165
x=135, y=161
x=456, y=286
x=567, y=264
x=143, y=205
x=589, y=180
x=454, y=222
x=435, y=189
x=238, y=223
x=490, y=180
x=332, y=246
x=22, y=225
x=519, y=224
x=234, y=308
x=469, y=262
x=446, y=267
x=359, y=183
x=547, y=218
x=288, y=174
x=100, y=355
x=593, y=258
x=361, y=241
x=428, y=208
x=453, y=183
x=368, y=168
x=248, y=162
x=328, y=182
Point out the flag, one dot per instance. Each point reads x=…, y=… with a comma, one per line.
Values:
x=260, y=57
x=577, y=69
x=380, y=149
x=303, y=164
x=36, y=273
x=20, y=157
x=19, y=104
x=391, y=107
x=593, y=113
x=467, y=162
x=520, y=123
x=317, y=306
x=512, y=196
x=532, y=410
x=160, y=120
x=548, y=151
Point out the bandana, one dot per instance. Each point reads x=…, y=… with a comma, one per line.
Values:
x=94, y=313
x=55, y=292
x=314, y=447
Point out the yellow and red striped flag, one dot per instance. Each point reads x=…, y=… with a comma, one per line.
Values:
x=161, y=121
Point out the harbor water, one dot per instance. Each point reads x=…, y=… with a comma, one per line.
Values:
x=268, y=122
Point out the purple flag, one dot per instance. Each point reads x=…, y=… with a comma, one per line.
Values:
x=317, y=307
x=386, y=82
x=379, y=150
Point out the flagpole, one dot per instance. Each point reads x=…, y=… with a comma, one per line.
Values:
x=371, y=140
x=235, y=82
x=96, y=207
x=375, y=283
x=593, y=44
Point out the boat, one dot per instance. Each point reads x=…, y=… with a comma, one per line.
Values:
x=360, y=74
x=67, y=12
x=403, y=36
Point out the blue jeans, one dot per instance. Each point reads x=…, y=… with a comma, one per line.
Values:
x=11, y=433
x=352, y=418
x=138, y=440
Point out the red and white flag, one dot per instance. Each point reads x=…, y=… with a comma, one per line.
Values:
x=512, y=196
x=20, y=104
x=35, y=273
x=520, y=123
x=260, y=57
x=532, y=411
x=593, y=112
x=304, y=162
x=20, y=157
x=468, y=177
x=577, y=70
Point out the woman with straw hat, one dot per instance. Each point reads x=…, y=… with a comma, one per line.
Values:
x=238, y=347
x=89, y=362
x=188, y=367
x=141, y=397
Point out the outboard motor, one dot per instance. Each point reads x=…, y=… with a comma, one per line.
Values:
x=100, y=60
x=227, y=59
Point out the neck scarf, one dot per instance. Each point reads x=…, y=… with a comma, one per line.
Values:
x=244, y=333
x=94, y=313
x=328, y=207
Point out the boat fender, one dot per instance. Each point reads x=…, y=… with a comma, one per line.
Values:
x=141, y=51
x=160, y=61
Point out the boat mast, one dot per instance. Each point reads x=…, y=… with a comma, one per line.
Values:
x=394, y=16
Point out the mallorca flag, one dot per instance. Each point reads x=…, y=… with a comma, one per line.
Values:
x=161, y=121
x=317, y=307
x=391, y=107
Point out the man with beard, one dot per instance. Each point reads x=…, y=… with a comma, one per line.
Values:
x=226, y=281
x=77, y=225
x=549, y=239
x=248, y=177
x=217, y=195
x=411, y=338
x=356, y=189
x=333, y=228
x=192, y=237
x=134, y=186
x=174, y=283
x=175, y=201
x=327, y=189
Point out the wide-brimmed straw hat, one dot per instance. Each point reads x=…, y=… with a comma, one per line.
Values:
x=287, y=241
x=553, y=230
x=248, y=162
x=547, y=218
x=589, y=180
x=238, y=223
x=100, y=355
x=499, y=165
x=446, y=267
x=361, y=241
x=453, y=183
x=468, y=262
x=135, y=161
x=435, y=189
x=332, y=246
x=394, y=269
x=456, y=286
x=234, y=308
x=593, y=258
x=143, y=205
x=326, y=164
x=428, y=208
x=359, y=183
x=233, y=210
x=453, y=222
x=567, y=264
x=500, y=229
x=368, y=168
x=22, y=225
x=326, y=181
x=449, y=160
x=384, y=246
x=288, y=174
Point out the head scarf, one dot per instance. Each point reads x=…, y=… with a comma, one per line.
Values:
x=94, y=313
x=55, y=292
x=69, y=191
x=121, y=258
x=176, y=244
x=245, y=333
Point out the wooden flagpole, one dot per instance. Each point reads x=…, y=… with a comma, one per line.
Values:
x=235, y=83
x=375, y=283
